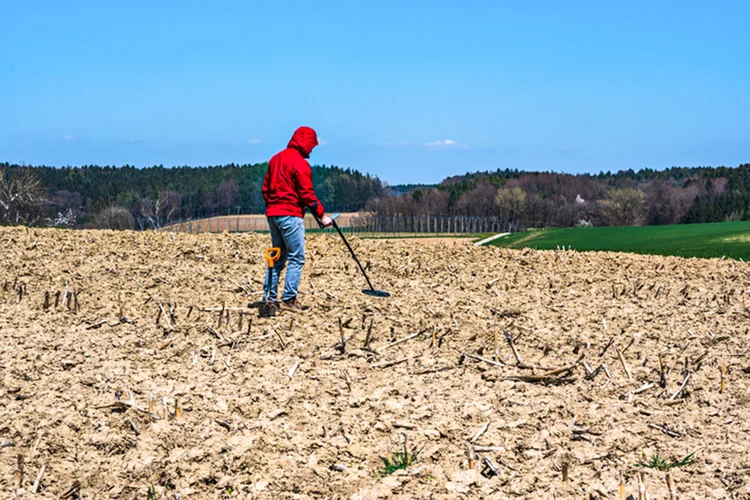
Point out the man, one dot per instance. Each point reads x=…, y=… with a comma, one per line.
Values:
x=287, y=191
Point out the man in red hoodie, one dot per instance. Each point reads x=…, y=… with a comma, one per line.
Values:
x=287, y=191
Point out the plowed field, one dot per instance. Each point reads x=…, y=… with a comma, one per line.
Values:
x=131, y=366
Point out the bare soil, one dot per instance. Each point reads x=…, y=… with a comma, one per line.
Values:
x=143, y=318
x=254, y=222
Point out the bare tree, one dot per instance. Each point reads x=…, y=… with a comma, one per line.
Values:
x=171, y=201
x=226, y=193
x=144, y=208
x=208, y=202
x=480, y=200
x=434, y=202
x=21, y=196
x=156, y=213
x=539, y=212
x=114, y=217
x=510, y=201
x=67, y=200
x=625, y=207
x=661, y=209
x=149, y=212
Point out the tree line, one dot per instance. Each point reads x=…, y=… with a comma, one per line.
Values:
x=547, y=199
x=129, y=197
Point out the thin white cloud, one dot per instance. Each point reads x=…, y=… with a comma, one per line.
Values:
x=322, y=142
x=254, y=141
x=68, y=138
x=446, y=144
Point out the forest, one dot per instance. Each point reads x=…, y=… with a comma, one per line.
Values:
x=141, y=198
x=130, y=197
x=547, y=199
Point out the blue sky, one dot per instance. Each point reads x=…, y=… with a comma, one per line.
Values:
x=410, y=91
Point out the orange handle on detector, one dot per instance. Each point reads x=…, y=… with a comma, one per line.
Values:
x=272, y=255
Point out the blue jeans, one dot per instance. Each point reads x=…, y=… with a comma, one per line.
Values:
x=288, y=234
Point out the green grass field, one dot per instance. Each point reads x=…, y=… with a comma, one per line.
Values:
x=723, y=239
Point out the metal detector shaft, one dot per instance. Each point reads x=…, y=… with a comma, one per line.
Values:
x=354, y=256
x=370, y=291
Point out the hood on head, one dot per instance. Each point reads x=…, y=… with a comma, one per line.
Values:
x=304, y=140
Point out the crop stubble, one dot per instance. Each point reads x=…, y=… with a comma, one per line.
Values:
x=536, y=366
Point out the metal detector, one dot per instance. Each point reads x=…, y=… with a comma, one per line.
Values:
x=371, y=291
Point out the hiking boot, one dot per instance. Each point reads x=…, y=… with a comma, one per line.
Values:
x=267, y=310
x=292, y=305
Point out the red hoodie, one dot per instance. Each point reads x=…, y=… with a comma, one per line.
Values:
x=287, y=187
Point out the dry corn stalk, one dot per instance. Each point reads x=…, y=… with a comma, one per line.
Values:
x=293, y=369
x=18, y=476
x=347, y=379
x=497, y=347
x=38, y=479
x=641, y=487
x=624, y=364
x=671, y=487
x=368, y=337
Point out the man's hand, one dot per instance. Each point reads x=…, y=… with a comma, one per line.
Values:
x=326, y=221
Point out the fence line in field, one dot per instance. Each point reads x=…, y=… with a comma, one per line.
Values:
x=361, y=223
x=433, y=224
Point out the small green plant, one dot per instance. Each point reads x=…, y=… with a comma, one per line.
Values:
x=399, y=460
x=151, y=494
x=664, y=464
